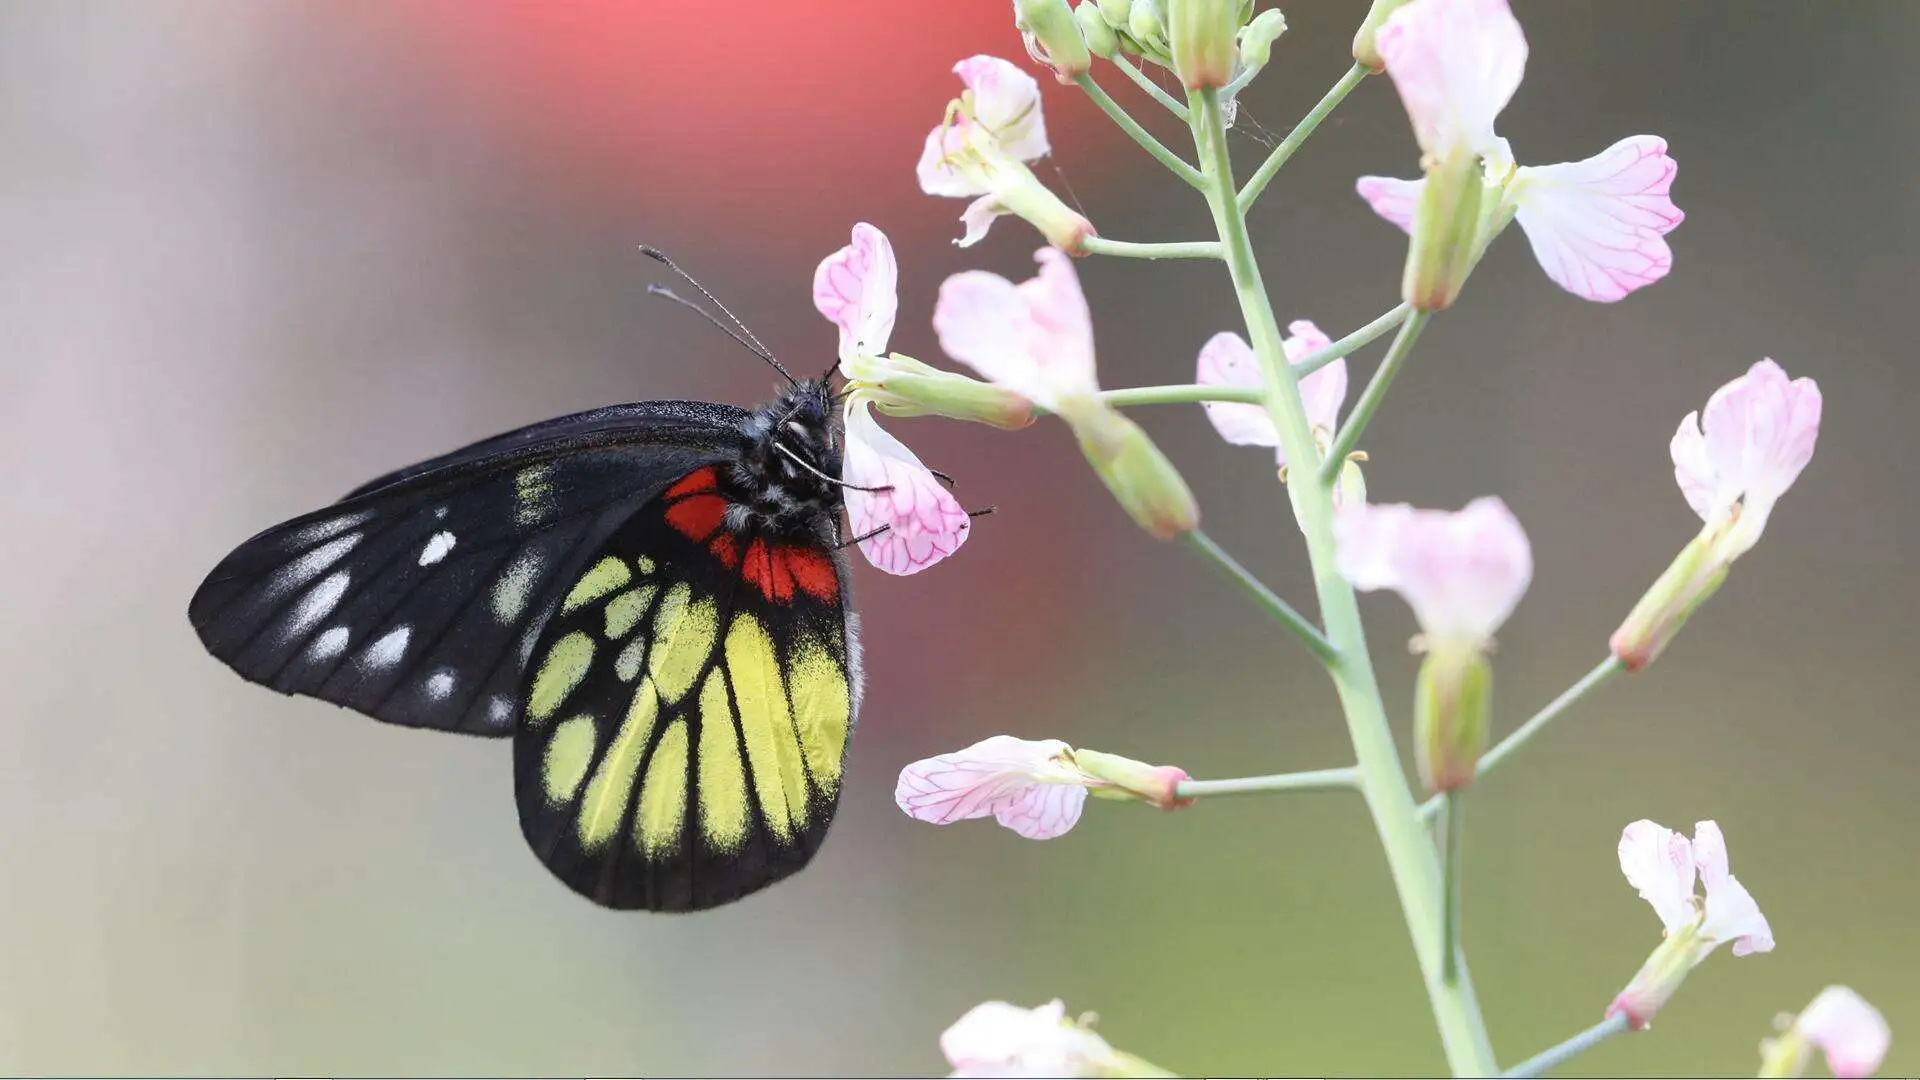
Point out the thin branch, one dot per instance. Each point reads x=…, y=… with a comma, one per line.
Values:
x=1376, y=392
x=1450, y=886
x=1153, y=89
x=1353, y=342
x=1344, y=779
x=1182, y=395
x=1566, y=1051
x=1140, y=135
x=1195, y=249
x=1282, y=612
x=1269, y=168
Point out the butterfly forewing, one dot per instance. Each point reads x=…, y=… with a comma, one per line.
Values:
x=418, y=597
x=687, y=710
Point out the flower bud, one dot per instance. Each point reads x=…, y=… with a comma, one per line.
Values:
x=1658, y=617
x=1100, y=38
x=1146, y=484
x=1115, y=13
x=1351, y=488
x=1052, y=37
x=1256, y=41
x=902, y=386
x=1202, y=35
x=1363, y=47
x=1657, y=980
x=1125, y=778
x=1144, y=22
x=1446, y=227
x=1451, y=702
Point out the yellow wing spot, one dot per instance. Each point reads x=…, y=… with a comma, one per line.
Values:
x=663, y=797
x=607, y=575
x=822, y=709
x=560, y=672
x=772, y=747
x=625, y=610
x=612, y=785
x=723, y=779
x=644, y=564
x=679, y=659
x=627, y=664
x=569, y=753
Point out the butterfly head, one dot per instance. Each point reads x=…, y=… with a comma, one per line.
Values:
x=790, y=472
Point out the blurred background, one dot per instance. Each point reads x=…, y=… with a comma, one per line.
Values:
x=258, y=253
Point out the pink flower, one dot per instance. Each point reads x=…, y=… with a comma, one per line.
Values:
x=1847, y=1029
x=998, y=1039
x=1034, y=338
x=1456, y=64
x=981, y=149
x=1227, y=360
x=1738, y=458
x=1037, y=789
x=1461, y=572
x=1661, y=864
x=1598, y=227
x=908, y=519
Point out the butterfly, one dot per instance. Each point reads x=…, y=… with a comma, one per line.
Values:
x=650, y=599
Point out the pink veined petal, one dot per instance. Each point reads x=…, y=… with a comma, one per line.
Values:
x=1006, y=101
x=1597, y=226
x=978, y=780
x=1227, y=360
x=1731, y=913
x=1658, y=862
x=1060, y=334
x=1043, y=811
x=1693, y=469
x=935, y=170
x=923, y=522
x=1393, y=199
x=980, y=319
x=1851, y=1032
x=1324, y=391
x=856, y=289
x=977, y=218
x=1462, y=572
x=1367, y=542
x=1456, y=64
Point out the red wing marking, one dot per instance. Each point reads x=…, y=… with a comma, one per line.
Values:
x=811, y=570
x=724, y=549
x=698, y=517
x=692, y=484
x=766, y=568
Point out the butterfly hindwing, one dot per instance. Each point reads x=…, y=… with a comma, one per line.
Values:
x=417, y=597
x=688, y=709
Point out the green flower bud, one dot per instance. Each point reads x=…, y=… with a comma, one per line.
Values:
x=1100, y=38
x=1116, y=13
x=1452, y=699
x=1201, y=34
x=1693, y=577
x=1052, y=37
x=1658, y=979
x=1446, y=230
x=1256, y=41
x=1146, y=484
x=1119, y=777
x=902, y=386
x=1363, y=47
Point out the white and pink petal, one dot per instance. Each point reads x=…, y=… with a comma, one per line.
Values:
x=1598, y=227
x=1850, y=1031
x=1226, y=360
x=1006, y=102
x=1456, y=64
x=1658, y=863
x=908, y=518
x=1391, y=198
x=856, y=289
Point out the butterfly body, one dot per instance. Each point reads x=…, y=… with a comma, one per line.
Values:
x=648, y=598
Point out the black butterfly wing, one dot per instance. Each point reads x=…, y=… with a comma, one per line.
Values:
x=689, y=711
x=418, y=597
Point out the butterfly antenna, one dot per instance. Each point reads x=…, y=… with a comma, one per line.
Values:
x=744, y=336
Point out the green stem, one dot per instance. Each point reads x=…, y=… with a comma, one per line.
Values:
x=1153, y=89
x=1411, y=860
x=1282, y=612
x=1370, y=399
x=1180, y=395
x=1579, y=1044
x=1268, y=168
x=1140, y=135
x=1588, y=683
x=1197, y=249
x=1450, y=900
x=1353, y=342
x=1344, y=779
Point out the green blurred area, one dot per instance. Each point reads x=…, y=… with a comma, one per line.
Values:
x=255, y=258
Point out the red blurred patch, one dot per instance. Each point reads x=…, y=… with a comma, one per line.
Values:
x=812, y=571
x=694, y=482
x=697, y=518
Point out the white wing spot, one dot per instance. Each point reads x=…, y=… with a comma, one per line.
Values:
x=499, y=709
x=320, y=530
x=318, y=603
x=391, y=646
x=515, y=587
x=436, y=549
x=439, y=512
x=440, y=685
x=330, y=644
x=303, y=569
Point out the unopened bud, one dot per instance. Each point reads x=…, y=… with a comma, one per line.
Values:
x=902, y=386
x=1124, y=778
x=1100, y=38
x=1146, y=484
x=1786, y=1054
x=1693, y=577
x=1451, y=702
x=1202, y=33
x=1053, y=37
x=1256, y=41
x=1363, y=47
x=1660, y=976
x=1446, y=226
x=1143, y=20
